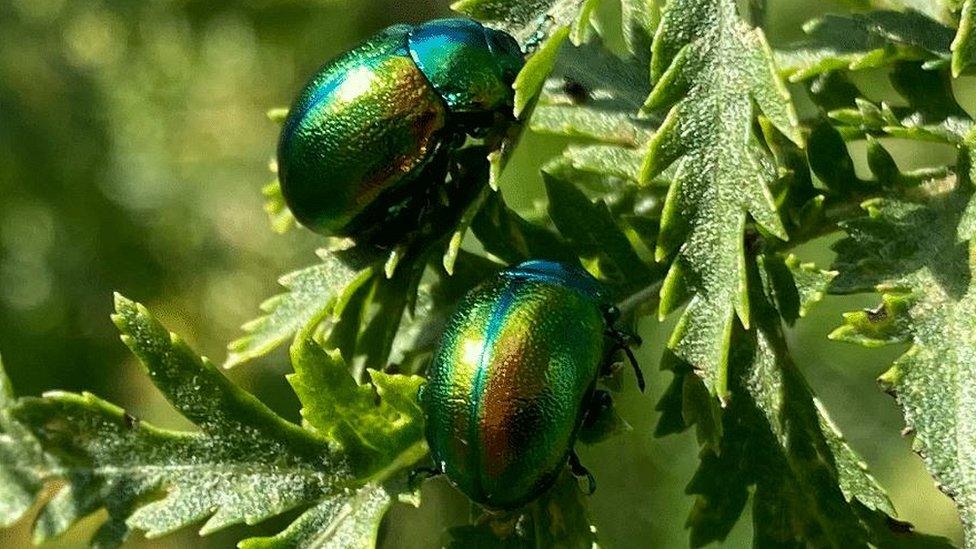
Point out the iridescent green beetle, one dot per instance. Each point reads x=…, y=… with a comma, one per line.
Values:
x=366, y=142
x=513, y=380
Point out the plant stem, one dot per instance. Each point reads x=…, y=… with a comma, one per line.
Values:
x=648, y=295
x=836, y=211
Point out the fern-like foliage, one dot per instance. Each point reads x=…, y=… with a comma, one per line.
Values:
x=928, y=301
x=687, y=181
x=244, y=465
x=312, y=292
x=776, y=437
x=712, y=71
x=864, y=41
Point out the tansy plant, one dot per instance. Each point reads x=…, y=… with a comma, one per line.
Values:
x=690, y=180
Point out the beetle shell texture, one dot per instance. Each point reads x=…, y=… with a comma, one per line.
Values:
x=365, y=144
x=507, y=388
x=360, y=127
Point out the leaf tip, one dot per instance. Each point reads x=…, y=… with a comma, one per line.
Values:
x=233, y=359
x=839, y=333
x=890, y=378
x=121, y=302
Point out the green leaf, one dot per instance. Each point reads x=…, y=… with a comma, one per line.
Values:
x=611, y=160
x=915, y=249
x=374, y=434
x=964, y=44
x=464, y=224
x=388, y=298
x=280, y=216
x=436, y=301
x=333, y=524
x=794, y=286
x=507, y=236
x=639, y=21
x=829, y=160
x=530, y=21
x=243, y=465
x=533, y=76
x=593, y=232
x=863, y=41
x=277, y=115
x=932, y=114
x=22, y=465
x=712, y=71
x=586, y=122
x=594, y=96
x=541, y=26
x=312, y=292
x=603, y=80
x=808, y=485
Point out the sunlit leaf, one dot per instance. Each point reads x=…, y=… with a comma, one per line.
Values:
x=282, y=220
x=22, y=463
x=932, y=113
x=864, y=41
x=372, y=433
x=333, y=524
x=807, y=485
x=915, y=249
x=244, y=464
x=312, y=292
x=712, y=72
x=964, y=44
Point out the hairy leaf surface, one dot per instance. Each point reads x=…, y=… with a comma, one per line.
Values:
x=810, y=486
x=712, y=72
x=244, y=465
x=312, y=292
x=929, y=301
x=22, y=462
x=373, y=434
x=864, y=41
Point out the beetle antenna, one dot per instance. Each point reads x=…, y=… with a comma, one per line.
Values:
x=637, y=369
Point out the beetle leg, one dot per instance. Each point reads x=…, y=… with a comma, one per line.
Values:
x=624, y=339
x=421, y=474
x=612, y=314
x=579, y=471
x=600, y=402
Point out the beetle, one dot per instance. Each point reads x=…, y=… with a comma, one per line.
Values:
x=368, y=138
x=514, y=378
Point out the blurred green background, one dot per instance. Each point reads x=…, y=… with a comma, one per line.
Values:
x=133, y=145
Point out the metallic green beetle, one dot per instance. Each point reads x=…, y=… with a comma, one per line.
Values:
x=513, y=380
x=366, y=142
